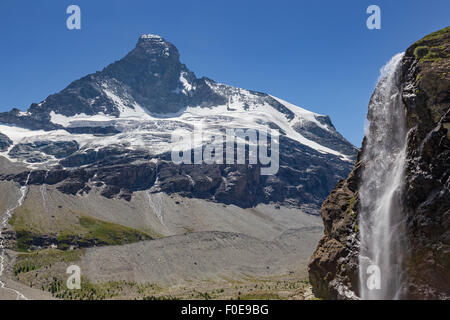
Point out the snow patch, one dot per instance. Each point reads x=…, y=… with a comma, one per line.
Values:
x=150, y=36
x=186, y=85
x=302, y=114
x=136, y=111
x=66, y=121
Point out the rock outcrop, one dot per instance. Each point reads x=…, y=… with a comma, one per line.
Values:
x=5, y=142
x=425, y=88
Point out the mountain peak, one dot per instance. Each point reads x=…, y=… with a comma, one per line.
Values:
x=155, y=46
x=150, y=79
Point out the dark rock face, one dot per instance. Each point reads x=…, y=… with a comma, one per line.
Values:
x=330, y=139
x=99, y=131
x=305, y=176
x=155, y=86
x=244, y=186
x=333, y=268
x=5, y=142
x=33, y=121
x=39, y=151
x=427, y=102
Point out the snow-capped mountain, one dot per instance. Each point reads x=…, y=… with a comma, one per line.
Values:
x=110, y=132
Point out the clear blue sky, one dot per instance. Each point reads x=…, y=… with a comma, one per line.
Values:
x=316, y=54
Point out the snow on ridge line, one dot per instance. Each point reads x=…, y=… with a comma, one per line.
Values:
x=263, y=112
x=125, y=111
x=198, y=113
x=278, y=118
x=65, y=121
x=302, y=113
x=239, y=117
x=295, y=108
x=23, y=135
x=150, y=36
x=17, y=134
x=187, y=86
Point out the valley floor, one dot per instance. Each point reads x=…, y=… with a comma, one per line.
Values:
x=293, y=286
x=204, y=250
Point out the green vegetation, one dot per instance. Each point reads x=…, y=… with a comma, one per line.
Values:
x=353, y=213
x=106, y=290
x=88, y=232
x=434, y=36
x=45, y=270
x=350, y=208
x=159, y=298
x=100, y=232
x=351, y=204
x=18, y=221
x=421, y=51
x=25, y=233
x=27, y=262
x=260, y=296
x=428, y=50
x=24, y=240
x=425, y=53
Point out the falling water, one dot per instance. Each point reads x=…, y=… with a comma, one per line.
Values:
x=3, y=223
x=156, y=204
x=380, y=220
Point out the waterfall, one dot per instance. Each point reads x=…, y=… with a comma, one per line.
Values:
x=381, y=219
x=156, y=204
x=3, y=223
x=43, y=190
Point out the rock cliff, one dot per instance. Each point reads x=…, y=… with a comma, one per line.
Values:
x=425, y=89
